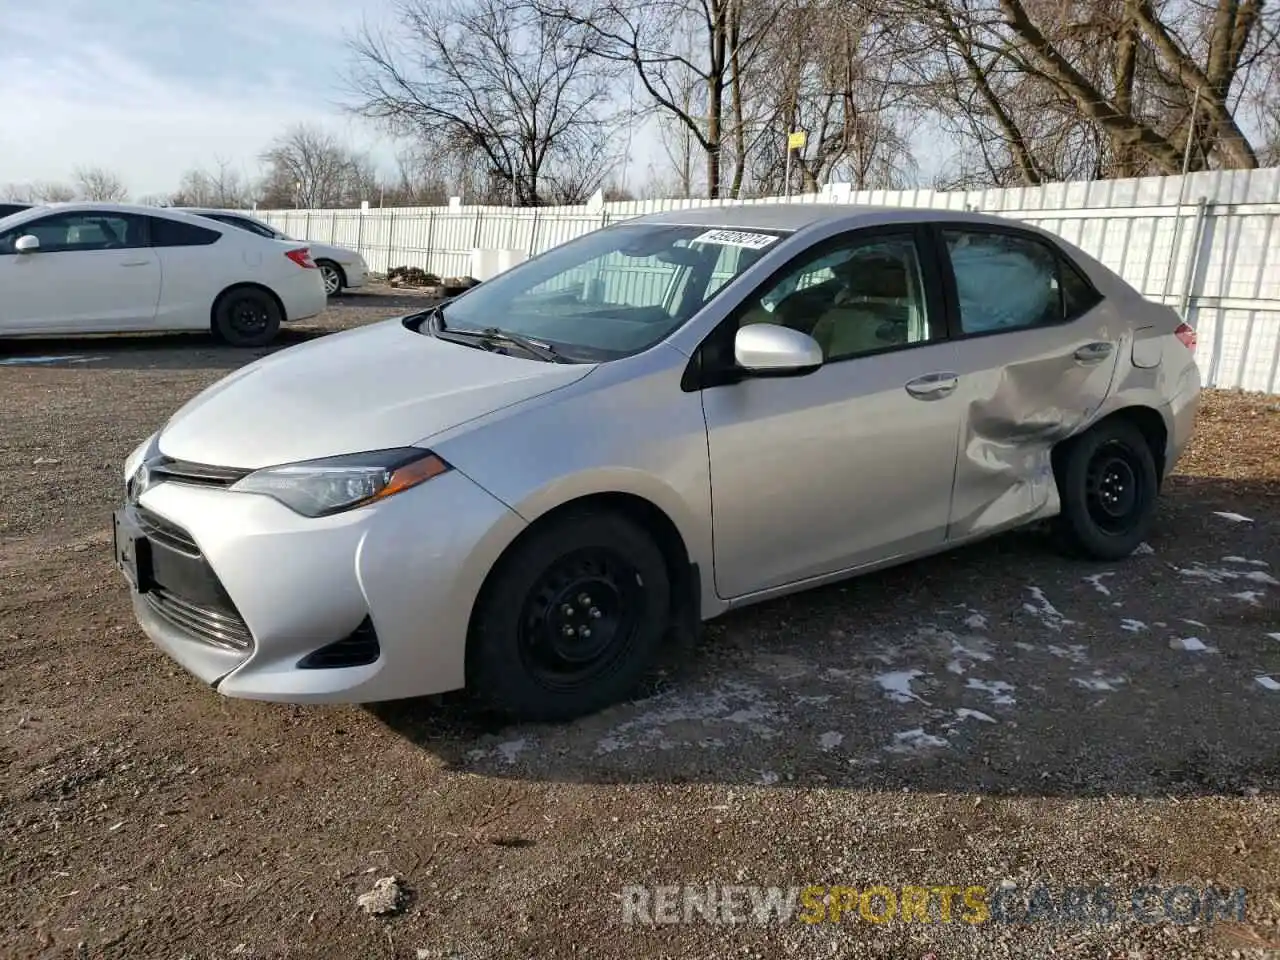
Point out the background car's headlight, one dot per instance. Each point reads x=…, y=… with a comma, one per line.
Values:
x=316, y=488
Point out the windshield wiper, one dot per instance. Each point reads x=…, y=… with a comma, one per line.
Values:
x=493, y=336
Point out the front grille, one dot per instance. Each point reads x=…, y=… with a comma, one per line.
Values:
x=200, y=474
x=216, y=628
x=355, y=650
x=157, y=528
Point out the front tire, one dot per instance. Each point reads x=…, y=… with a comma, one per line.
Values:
x=1108, y=483
x=334, y=280
x=571, y=620
x=246, y=317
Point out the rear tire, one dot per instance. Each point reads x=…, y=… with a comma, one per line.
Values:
x=246, y=317
x=1108, y=483
x=571, y=620
x=334, y=279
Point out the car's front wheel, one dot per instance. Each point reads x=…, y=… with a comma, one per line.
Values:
x=332, y=275
x=246, y=317
x=1108, y=483
x=571, y=620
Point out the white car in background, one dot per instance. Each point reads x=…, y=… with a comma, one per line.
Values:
x=92, y=268
x=341, y=268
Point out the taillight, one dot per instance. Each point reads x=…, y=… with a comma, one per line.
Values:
x=1187, y=334
x=302, y=257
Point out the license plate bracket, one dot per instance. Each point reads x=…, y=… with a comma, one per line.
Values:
x=132, y=553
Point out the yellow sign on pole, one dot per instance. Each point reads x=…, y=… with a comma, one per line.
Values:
x=795, y=140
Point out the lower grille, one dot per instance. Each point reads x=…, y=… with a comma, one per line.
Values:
x=355, y=650
x=218, y=629
x=157, y=528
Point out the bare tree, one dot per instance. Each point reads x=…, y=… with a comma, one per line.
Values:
x=96, y=183
x=1042, y=91
x=306, y=167
x=726, y=36
x=40, y=192
x=223, y=187
x=491, y=79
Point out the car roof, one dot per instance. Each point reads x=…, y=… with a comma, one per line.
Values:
x=201, y=211
x=776, y=215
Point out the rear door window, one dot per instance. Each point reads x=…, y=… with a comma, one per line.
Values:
x=1006, y=281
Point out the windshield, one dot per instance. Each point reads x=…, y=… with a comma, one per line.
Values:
x=614, y=292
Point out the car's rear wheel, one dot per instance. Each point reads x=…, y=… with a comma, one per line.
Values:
x=246, y=317
x=334, y=280
x=571, y=619
x=1108, y=482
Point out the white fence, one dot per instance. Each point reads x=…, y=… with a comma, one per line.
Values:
x=1206, y=244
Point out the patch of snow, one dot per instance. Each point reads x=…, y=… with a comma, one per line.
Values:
x=1098, y=585
x=1194, y=623
x=812, y=699
x=965, y=655
x=1075, y=652
x=1191, y=645
x=1132, y=626
x=506, y=752
x=1233, y=517
x=964, y=713
x=1001, y=693
x=1223, y=574
x=898, y=685
x=1100, y=683
x=1144, y=548
x=1268, y=682
x=1023, y=645
x=1254, y=563
x=830, y=740
x=975, y=621
x=767, y=778
x=1046, y=611
x=912, y=741
x=1274, y=636
x=682, y=718
x=1248, y=596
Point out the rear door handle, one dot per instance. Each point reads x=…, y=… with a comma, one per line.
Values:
x=135, y=263
x=933, y=386
x=1094, y=352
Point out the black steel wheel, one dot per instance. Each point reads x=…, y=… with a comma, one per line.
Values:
x=246, y=317
x=1108, y=483
x=570, y=620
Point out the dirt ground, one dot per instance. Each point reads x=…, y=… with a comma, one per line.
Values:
x=993, y=716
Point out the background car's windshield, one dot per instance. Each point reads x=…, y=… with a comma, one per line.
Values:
x=614, y=292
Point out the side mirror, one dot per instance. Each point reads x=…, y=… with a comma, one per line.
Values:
x=767, y=349
x=27, y=244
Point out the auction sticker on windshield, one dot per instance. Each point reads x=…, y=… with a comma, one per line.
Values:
x=737, y=238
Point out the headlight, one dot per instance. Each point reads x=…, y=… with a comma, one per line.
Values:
x=140, y=453
x=317, y=488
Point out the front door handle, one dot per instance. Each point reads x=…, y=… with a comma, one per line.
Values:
x=933, y=386
x=1094, y=352
x=135, y=263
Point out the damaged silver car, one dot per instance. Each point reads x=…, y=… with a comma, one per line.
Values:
x=523, y=491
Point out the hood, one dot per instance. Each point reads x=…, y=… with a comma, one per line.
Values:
x=367, y=389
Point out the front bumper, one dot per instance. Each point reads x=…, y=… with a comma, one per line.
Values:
x=241, y=591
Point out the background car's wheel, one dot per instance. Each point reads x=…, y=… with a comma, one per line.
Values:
x=246, y=317
x=571, y=620
x=1108, y=483
x=334, y=279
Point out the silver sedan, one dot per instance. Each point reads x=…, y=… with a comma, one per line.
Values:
x=526, y=490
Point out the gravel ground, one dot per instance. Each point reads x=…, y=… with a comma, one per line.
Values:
x=996, y=715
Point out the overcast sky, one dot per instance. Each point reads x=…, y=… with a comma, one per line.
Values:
x=150, y=88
